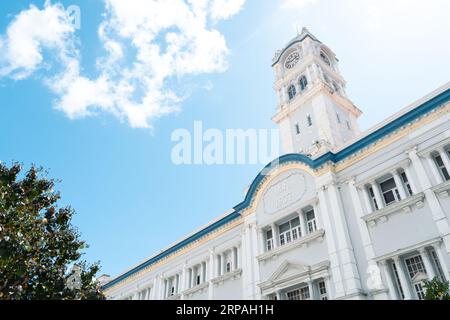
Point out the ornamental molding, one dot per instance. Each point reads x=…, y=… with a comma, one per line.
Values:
x=234, y=275
x=442, y=189
x=406, y=205
x=434, y=147
x=399, y=165
x=406, y=250
x=291, y=273
x=304, y=242
x=198, y=288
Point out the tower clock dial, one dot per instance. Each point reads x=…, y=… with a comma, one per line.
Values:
x=292, y=60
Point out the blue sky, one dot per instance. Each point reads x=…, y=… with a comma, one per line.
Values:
x=63, y=106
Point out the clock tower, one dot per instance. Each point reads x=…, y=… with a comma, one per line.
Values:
x=313, y=112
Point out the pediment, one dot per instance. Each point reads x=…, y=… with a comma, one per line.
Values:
x=419, y=277
x=287, y=270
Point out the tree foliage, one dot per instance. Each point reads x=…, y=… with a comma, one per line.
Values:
x=436, y=290
x=38, y=244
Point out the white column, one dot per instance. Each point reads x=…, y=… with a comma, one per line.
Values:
x=362, y=225
x=311, y=290
x=155, y=286
x=317, y=215
x=203, y=272
x=367, y=199
x=427, y=262
x=279, y=295
x=183, y=280
x=301, y=216
x=445, y=159
x=219, y=264
x=276, y=237
x=432, y=164
x=404, y=279
x=399, y=184
x=177, y=283
x=262, y=241
x=376, y=192
x=335, y=267
x=234, y=252
x=224, y=263
x=211, y=274
x=346, y=254
x=442, y=260
x=411, y=181
x=389, y=281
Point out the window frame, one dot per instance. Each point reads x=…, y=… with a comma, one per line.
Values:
x=441, y=167
x=303, y=83
x=292, y=92
x=291, y=234
x=311, y=224
x=394, y=191
x=406, y=183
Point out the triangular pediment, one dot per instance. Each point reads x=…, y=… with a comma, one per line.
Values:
x=419, y=277
x=289, y=269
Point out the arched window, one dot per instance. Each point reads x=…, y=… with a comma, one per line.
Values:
x=291, y=92
x=303, y=83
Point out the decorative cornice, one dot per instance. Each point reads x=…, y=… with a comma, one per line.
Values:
x=400, y=206
x=193, y=290
x=235, y=274
x=302, y=241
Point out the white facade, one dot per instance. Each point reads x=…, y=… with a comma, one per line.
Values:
x=344, y=214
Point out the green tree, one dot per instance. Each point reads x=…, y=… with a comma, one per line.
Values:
x=38, y=245
x=436, y=289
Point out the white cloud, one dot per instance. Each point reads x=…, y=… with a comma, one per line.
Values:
x=148, y=45
x=224, y=9
x=31, y=32
x=297, y=4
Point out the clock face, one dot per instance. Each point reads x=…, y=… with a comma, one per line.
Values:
x=292, y=59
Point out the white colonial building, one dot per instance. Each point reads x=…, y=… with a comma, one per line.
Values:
x=340, y=215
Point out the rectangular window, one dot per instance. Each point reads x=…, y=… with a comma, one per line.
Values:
x=304, y=293
x=298, y=294
x=297, y=128
x=374, y=200
x=437, y=265
x=293, y=295
x=311, y=221
x=290, y=231
x=197, y=279
x=269, y=240
x=322, y=290
x=389, y=191
x=406, y=183
x=419, y=291
x=415, y=265
x=338, y=118
x=228, y=266
x=397, y=281
x=441, y=166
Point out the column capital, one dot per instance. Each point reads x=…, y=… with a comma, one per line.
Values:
x=396, y=259
x=422, y=250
